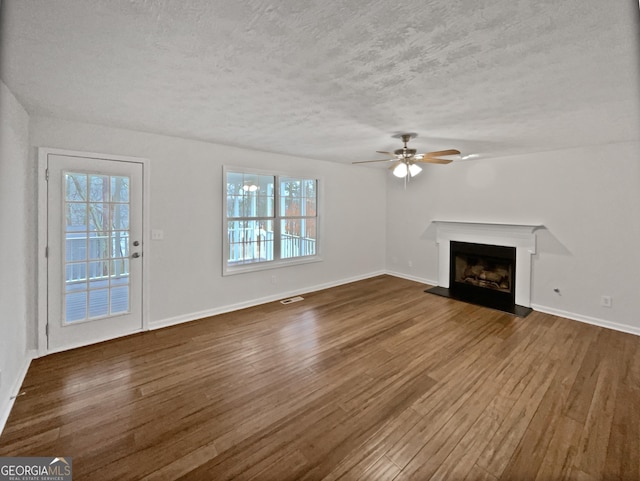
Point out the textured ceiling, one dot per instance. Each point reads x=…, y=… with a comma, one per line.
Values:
x=334, y=79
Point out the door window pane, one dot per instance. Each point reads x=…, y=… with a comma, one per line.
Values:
x=98, y=217
x=76, y=187
x=76, y=306
x=76, y=276
x=75, y=247
x=119, y=189
x=119, y=244
x=119, y=299
x=120, y=219
x=99, y=188
x=119, y=271
x=98, y=303
x=98, y=247
x=76, y=218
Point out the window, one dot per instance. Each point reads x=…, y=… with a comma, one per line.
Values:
x=269, y=220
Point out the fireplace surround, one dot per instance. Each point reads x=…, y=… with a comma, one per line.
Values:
x=498, y=263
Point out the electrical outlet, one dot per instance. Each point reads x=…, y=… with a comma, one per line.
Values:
x=157, y=234
x=274, y=279
x=410, y=263
x=606, y=301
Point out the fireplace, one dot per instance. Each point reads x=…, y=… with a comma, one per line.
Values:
x=486, y=264
x=483, y=274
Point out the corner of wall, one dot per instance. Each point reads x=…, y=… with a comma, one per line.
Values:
x=17, y=237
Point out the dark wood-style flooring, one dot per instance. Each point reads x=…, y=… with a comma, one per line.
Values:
x=373, y=380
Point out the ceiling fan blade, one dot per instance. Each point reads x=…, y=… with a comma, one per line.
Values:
x=442, y=152
x=390, y=154
x=367, y=161
x=394, y=165
x=433, y=160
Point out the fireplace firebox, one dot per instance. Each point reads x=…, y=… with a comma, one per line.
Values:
x=483, y=274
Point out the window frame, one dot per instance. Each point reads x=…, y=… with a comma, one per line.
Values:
x=277, y=262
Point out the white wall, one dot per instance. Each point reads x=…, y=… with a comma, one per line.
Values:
x=186, y=203
x=17, y=214
x=588, y=199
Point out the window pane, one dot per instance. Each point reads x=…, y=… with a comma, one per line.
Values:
x=309, y=189
x=256, y=205
x=264, y=206
x=250, y=195
x=234, y=206
x=310, y=198
x=290, y=187
x=291, y=207
x=309, y=230
x=234, y=183
x=250, y=241
x=297, y=197
x=298, y=238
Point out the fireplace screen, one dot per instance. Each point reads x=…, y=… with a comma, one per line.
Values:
x=485, y=272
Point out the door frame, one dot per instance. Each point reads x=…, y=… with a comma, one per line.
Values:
x=42, y=265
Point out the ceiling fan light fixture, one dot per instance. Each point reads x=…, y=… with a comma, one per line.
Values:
x=406, y=159
x=400, y=170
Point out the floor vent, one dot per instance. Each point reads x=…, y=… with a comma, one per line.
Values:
x=291, y=299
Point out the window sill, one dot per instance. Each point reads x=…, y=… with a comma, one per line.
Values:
x=263, y=266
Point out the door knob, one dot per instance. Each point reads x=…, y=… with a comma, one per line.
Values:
x=135, y=255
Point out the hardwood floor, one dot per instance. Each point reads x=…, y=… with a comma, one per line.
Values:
x=372, y=380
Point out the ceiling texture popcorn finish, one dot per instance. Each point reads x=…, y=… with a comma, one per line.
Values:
x=333, y=80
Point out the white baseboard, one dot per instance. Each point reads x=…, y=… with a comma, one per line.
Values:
x=587, y=319
x=7, y=404
x=422, y=280
x=194, y=316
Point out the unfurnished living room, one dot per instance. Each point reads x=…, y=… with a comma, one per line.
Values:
x=320, y=240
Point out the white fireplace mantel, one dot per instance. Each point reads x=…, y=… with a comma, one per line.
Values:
x=522, y=237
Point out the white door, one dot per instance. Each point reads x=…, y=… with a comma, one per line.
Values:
x=94, y=254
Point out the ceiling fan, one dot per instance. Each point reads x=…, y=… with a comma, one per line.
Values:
x=405, y=159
